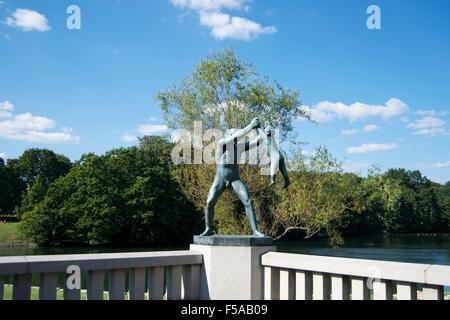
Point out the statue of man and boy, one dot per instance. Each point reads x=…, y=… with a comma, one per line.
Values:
x=228, y=153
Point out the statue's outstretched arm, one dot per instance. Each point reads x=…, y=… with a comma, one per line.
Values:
x=255, y=124
x=262, y=137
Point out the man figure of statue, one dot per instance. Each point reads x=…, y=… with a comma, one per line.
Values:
x=228, y=154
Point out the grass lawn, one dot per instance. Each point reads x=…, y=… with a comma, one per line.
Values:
x=9, y=233
x=59, y=294
x=35, y=294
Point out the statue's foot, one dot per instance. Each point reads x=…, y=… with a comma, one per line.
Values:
x=207, y=233
x=287, y=184
x=258, y=234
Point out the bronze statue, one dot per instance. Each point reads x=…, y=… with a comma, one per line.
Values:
x=228, y=153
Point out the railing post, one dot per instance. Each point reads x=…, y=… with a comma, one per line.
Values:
x=191, y=282
x=383, y=290
x=321, y=286
x=71, y=294
x=174, y=283
x=340, y=287
x=116, y=287
x=95, y=284
x=137, y=284
x=287, y=285
x=47, y=288
x=156, y=283
x=22, y=287
x=304, y=285
x=406, y=291
x=2, y=287
x=360, y=291
x=431, y=292
x=271, y=283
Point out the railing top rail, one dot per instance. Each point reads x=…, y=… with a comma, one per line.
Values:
x=107, y=261
x=387, y=270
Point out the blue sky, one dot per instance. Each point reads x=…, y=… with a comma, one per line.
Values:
x=381, y=97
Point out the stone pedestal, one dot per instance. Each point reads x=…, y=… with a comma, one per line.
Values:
x=232, y=267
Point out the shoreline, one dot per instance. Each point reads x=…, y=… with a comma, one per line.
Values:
x=18, y=245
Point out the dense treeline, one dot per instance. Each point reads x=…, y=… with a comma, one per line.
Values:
x=135, y=196
x=125, y=197
x=420, y=206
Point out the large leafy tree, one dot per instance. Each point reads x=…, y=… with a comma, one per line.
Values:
x=37, y=169
x=40, y=162
x=225, y=92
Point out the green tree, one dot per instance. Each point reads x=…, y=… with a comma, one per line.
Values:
x=444, y=201
x=41, y=162
x=225, y=92
x=11, y=188
x=38, y=168
x=125, y=197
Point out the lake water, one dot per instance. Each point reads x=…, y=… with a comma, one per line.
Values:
x=429, y=249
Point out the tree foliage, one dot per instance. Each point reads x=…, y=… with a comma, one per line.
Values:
x=225, y=92
x=40, y=162
x=126, y=196
x=401, y=201
x=11, y=188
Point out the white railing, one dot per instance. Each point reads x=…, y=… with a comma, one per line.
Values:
x=170, y=275
x=306, y=277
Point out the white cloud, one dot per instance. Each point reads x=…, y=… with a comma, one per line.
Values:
x=432, y=132
x=129, y=138
x=3, y=156
x=318, y=115
x=438, y=165
x=358, y=111
x=29, y=128
x=7, y=106
x=372, y=148
x=5, y=114
x=427, y=122
x=28, y=20
x=222, y=25
x=432, y=113
x=368, y=128
x=208, y=5
x=152, y=129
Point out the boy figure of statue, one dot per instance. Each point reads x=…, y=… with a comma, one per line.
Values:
x=277, y=160
x=228, y=154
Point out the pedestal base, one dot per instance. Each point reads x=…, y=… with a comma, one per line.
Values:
x=232, y=267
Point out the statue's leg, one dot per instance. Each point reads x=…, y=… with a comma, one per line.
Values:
x=215, y=192
x=284, y=171
x=241, y=191
x=274, y=167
